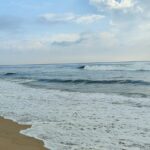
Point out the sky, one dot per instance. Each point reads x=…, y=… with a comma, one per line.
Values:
x=70, y=31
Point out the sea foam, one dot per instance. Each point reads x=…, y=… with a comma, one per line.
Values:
x=78, y=121
x=119, y=67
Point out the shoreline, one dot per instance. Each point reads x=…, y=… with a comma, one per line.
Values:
x=12, y=139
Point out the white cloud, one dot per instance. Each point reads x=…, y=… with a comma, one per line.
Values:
x=120, y=5
x=114, y=4
x=85, y=40
x=56, y=18
x=88, y=19
x=124, y=32
x=70, y=18
x=108, y=45
x=43, y=43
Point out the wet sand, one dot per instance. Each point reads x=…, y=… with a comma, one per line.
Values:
x=11, y=139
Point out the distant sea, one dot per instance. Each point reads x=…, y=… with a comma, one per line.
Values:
x=88, y=106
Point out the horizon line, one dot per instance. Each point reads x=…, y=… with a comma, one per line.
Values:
x=76, y=62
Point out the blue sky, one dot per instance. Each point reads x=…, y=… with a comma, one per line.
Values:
x=54, y=31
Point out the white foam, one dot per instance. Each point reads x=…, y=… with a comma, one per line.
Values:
x=78, y=121
x=111, y=67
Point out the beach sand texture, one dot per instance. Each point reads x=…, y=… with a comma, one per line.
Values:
x=11, y=139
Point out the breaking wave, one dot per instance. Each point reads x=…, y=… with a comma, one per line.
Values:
x=9, y=74
x=121, y=67
x=78, y=81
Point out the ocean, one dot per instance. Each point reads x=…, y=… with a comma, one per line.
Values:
x=87, y=106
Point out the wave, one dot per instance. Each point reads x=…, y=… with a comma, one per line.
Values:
x=81, y=67
x=122, y=67
x=9, y=74
x=85, y=81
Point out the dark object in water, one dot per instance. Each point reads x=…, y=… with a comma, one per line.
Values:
x=81, y=67
x=9, y=74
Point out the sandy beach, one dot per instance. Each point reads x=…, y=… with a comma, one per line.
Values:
x=11, y=139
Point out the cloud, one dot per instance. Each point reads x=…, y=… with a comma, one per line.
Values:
x=120, y=9
x=114, y=4
x=58, y=41
x=104, y=45
x=70, y=18
x=43, y=43
x=123, y=15
x=123, y=33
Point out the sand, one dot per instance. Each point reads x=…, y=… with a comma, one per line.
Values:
x=11, y=139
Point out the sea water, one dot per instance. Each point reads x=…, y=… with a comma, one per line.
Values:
x=94, y=106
